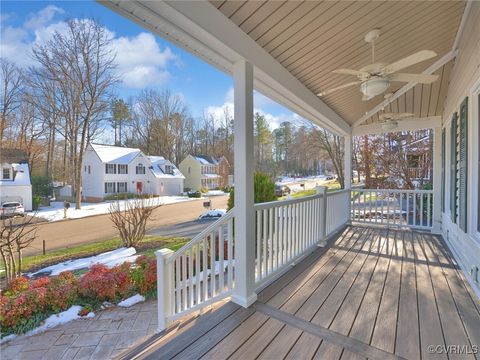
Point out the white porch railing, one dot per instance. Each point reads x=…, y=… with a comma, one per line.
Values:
x=393, y=207
x=198, y=274
x=285, y=230
x=203, y=270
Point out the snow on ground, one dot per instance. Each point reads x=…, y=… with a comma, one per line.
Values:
x=215, y=193
x=213, y=214
x=52, y=321
x=109, y=259
x=135, y=299
x=54, y=212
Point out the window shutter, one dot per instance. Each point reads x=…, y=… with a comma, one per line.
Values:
x=463, y=167
x=443, y=172
x=105, y=188
x=453, y=168
x=126, y=169
x=106, y=168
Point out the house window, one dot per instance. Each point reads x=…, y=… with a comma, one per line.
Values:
x=189, y=170
x=109, y=187
x=140, y=169
x=89, y=169
x=6, y=174
x=168, y=169
x=85, y=168
x=122, y=169
x=110, y=169
x=121, y=187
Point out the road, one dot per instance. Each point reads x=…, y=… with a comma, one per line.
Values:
x=167, y=220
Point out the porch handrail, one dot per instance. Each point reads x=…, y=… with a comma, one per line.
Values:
x=198, y=274
x=393, y=207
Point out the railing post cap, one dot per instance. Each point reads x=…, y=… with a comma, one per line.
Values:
x=164, y=252
x=321, y=189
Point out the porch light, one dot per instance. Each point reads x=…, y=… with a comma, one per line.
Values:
x=374, y=87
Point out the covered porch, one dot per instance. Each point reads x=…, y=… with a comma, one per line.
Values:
x=317, y=276
x=370, y=293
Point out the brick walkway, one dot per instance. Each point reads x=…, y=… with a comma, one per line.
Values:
x=105, y=336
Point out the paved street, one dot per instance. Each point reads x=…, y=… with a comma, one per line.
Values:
x=168, y=220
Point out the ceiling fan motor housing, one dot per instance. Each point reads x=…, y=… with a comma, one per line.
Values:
x=375, y=86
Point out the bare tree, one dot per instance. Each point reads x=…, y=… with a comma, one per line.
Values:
x=81, y=64
x=11, y=90
x=334, y=146
x=130, y=219
x=15, y=235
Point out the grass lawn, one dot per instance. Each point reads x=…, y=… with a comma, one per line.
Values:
x=332, y=185
x=147, y=247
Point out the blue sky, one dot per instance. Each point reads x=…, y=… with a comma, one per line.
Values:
x=144, y=60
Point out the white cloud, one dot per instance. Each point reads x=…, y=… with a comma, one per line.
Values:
x=140, y=59
x=260, y=101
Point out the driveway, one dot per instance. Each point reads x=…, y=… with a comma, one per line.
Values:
x=167, y=220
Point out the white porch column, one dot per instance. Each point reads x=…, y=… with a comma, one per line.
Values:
x=244, y=294
x=437, y=180
x=347, y=162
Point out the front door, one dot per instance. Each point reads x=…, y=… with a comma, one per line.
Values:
x=139, y=187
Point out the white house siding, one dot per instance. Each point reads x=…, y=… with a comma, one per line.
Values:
x=93, y=188
x=465, y=76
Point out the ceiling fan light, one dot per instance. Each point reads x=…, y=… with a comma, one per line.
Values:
x=389, y=125
x=374, y=87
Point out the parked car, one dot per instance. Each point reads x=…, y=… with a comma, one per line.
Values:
x=13, y=208
x=212, y=214
x=282, y=190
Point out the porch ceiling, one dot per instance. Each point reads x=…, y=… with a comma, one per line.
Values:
x=311, y=39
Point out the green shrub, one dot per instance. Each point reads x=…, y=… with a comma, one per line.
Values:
x=264, y=190
x=36, y=201
x=41, y=186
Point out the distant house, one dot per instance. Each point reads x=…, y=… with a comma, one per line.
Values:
x=207, y=172
x=15, y=184
x=109, y=170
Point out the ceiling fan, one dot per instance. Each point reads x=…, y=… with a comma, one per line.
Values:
x=389, y=120
x=374, y=79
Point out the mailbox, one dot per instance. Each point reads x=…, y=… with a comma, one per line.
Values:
x=207, y=204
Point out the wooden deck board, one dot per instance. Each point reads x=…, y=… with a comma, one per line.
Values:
x=373, y=290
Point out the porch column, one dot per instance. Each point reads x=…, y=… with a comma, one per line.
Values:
x=437, y=180
x=347, y=162
x=244, y=294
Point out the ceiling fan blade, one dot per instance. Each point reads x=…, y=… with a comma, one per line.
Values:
x=410, y=60
x=351, y=72
x=326, y=92
x=418, y=78
x=394, y=116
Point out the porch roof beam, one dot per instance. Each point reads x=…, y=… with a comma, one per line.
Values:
x=201, y=29
x=403, y=125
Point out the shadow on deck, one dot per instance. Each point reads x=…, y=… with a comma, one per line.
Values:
x=371, y=293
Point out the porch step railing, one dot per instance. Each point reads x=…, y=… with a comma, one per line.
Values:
x=411, y=208
x=198, y=274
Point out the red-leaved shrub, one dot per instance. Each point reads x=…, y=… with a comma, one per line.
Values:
x=62, y=291
x=103, y=284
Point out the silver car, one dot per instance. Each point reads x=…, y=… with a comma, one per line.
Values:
x=12, y=208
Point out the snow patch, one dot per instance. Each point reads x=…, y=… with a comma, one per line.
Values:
x=135, y=299
x=109, y=259
x=54, y=212
x=215, y=193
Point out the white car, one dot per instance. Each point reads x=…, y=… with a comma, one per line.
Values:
x=12, y=208
x=212, y=214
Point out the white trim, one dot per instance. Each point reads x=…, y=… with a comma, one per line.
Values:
x=473, y=159
x=461, y=27
x=198, y=27
x=403, y=125
x=431, y=69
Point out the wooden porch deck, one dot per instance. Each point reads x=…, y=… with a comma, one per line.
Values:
x=371, y=293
